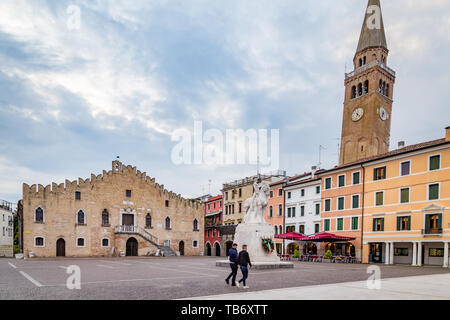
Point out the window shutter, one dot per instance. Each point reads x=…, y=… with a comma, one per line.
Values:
x=382, y=224
x=384, y=173
x=399, y=223
x=409, y=223
x=434, y=162
x=375, y=174
x=439, y=224
x=374, y=225
x=427, y=223
x=435, y=192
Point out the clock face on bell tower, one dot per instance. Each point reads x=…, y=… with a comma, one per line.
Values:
x=369, y=88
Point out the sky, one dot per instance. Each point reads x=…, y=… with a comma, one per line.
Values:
x=118, y=81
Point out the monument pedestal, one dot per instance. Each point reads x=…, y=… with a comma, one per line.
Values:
x=252, y=234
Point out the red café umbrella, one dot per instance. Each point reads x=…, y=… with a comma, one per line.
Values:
x=328, y=237
x=291, y=236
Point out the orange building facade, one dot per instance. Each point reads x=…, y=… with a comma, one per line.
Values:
x=275, y=211
x=342, y=194
x=407, y=205
x=396, y=205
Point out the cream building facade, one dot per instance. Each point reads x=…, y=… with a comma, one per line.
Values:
x=120, y=212
x=6, y=231
x=235, y=193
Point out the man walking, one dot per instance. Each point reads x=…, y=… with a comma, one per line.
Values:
x=233, y=254
x=244, y=262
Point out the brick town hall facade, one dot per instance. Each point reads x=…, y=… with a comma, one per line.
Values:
x=119, y=212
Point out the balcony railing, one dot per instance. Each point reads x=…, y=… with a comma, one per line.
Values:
x=430, y=231
x=368, y=66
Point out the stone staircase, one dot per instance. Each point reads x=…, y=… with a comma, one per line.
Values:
x=135, y=230
x=167, y=251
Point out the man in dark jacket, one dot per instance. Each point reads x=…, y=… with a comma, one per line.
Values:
x=244, y=262
x=233, y=254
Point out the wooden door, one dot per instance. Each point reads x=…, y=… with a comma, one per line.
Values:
x=61, y=248
x=132, y=247
x=128, y=219
x=181, y=248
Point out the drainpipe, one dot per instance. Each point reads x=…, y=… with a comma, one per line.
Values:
x=362, y=210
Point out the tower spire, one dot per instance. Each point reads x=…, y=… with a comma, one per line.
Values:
x=372, y=32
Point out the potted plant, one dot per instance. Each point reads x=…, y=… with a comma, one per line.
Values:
x=339, y=259
x=328, y=256
x=296, y=254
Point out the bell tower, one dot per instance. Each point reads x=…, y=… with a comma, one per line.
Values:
x=369, y=90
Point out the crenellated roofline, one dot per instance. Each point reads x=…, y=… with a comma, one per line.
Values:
x=53, y=189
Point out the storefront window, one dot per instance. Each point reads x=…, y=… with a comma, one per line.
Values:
x=436, y=252
x=401, y=252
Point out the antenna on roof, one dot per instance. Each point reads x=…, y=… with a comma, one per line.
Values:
x=320, y=154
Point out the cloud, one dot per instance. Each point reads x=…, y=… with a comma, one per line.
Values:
x=72, y=100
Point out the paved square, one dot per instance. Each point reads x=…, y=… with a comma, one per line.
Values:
x=170, y=277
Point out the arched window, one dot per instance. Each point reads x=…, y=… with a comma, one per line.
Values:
x=353, y=92
x=80, y=217
x=364, y=60
x=39, y=215
x=360, y=62
x=168, y=223
x=387, y=90
x=360, y=89
x=148, y=221
x=195, y=224
x=384, y=87
x=276, y=230
x=366, y=86
x=105, y=218
x=381, y=86
x=270, y=212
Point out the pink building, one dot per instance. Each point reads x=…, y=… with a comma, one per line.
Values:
x=213, y=219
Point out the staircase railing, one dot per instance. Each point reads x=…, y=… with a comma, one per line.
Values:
x=137, y=230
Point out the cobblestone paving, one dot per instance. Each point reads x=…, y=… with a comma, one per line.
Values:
x=169, y=278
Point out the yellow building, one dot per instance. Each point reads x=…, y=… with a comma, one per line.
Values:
x=235, y=193
x=406, y=206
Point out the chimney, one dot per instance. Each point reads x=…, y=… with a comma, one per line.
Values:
x=313, y=171
x=447, y=134
x=401, y=144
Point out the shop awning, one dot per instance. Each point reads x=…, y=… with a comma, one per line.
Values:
x=291, y=236
x=328, y=237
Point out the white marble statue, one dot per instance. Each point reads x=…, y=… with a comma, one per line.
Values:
x=255, y=207
x=254, y=228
